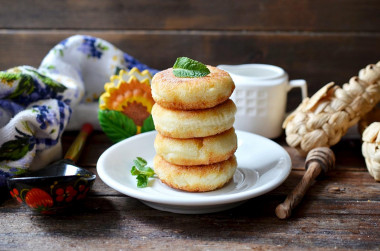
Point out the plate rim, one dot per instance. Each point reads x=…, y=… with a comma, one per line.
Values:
x=140, y=194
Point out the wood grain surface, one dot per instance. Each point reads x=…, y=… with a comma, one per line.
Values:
x=340, y=211
x=319, y=41
x=269, y=15
x=318, y=59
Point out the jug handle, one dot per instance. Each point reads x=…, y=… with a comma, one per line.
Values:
x=299, y=83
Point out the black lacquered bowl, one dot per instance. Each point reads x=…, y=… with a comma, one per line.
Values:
x=52, y=189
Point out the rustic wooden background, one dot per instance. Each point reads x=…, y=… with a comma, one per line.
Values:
x=320, y=41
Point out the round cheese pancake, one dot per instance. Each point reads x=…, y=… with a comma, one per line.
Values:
x=200, y=178
x=173, y=92
x=197, y=151
x=194, y=123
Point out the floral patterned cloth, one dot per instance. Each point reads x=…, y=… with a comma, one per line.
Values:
x=87, y=62
x=36, y=104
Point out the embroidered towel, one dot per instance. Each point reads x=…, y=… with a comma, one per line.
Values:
x=37, y=105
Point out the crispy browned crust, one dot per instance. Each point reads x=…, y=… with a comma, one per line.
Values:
x=202, y=178
x=194, y=123
x=197, y=151
x=172, y=92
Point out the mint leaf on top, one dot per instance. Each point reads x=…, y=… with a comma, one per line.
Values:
x=142, y=172
x=185, y=67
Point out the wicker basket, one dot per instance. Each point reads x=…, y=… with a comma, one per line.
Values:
x=371, y=149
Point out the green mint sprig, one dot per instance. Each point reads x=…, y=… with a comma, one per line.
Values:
x=142, y=172
x=185, y=67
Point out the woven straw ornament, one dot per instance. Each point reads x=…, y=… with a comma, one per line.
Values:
x=370, y=149
x=322, y=120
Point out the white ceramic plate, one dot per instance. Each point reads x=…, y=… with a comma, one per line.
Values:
x=262, y=166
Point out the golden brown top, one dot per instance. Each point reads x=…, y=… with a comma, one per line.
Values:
x=192, y=93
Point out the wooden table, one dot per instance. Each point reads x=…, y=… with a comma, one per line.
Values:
x=341, y=211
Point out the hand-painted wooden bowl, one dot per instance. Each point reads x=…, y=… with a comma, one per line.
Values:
x=51, y=190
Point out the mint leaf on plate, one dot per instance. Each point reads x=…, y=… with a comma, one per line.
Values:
x=185, y=67
x=142, y=172
x=142, y=181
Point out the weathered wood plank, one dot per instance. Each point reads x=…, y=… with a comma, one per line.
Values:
x=318, y=58
x=339, y=211
x=113, y=221
x=324, y=15
x=320, y=41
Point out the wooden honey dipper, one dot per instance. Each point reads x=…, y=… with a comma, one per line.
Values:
x=318, y=160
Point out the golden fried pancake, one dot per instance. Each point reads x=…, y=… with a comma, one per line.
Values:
x=194, y=123
x=197, y=151
x=172, y=92
x=201, y=178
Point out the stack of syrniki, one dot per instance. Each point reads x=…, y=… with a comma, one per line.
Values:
x=196, y=141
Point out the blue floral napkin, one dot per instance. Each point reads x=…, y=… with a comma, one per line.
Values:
x=37, y=105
